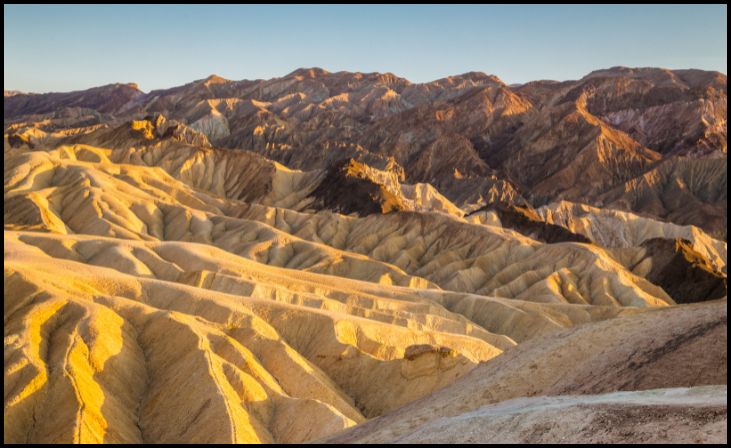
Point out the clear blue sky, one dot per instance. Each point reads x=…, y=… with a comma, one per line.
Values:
x=60, y=48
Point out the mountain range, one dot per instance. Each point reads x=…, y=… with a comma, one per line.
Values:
x=353, y=257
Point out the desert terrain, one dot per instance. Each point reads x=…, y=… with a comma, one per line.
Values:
x=355, y=258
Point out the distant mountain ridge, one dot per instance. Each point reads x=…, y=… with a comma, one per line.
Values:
x=466, y=135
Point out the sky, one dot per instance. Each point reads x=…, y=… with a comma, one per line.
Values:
x=65, y=47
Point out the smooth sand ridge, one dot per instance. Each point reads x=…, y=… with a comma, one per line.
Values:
x=132, y=275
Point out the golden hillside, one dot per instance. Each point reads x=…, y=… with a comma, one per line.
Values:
x=167, y=293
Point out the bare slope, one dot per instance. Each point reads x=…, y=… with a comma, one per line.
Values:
x=137, y=272
x=683, y=346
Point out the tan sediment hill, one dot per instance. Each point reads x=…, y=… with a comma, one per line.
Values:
x=683, y=346
x=80, y=189
x=105, y=334
x=275, y=311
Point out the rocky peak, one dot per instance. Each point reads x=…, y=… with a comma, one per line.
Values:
x=350, y=186
x=308, y=73
x=214, y=79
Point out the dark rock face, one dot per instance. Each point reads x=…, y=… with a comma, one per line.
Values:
x=682, y=272
x=348, y=188
x=660, y=108
x=414, y=351
x=526, y=221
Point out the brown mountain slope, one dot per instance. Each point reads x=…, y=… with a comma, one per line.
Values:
x=565, y=152
x=106, y=99
x=679, y=190
x=671, y=111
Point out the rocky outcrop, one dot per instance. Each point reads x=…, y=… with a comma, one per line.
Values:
x=352, y=187
x=682, y=272
x=623, y=230
x=525, y=221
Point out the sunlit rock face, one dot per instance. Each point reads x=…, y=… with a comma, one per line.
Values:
x=277, y=261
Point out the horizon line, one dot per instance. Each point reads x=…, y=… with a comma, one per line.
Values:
x=329, y=72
